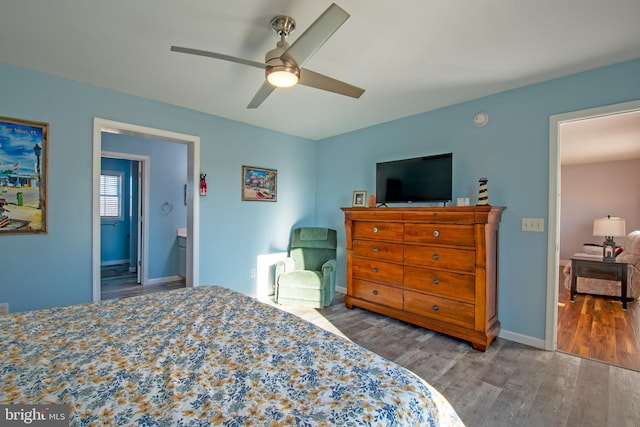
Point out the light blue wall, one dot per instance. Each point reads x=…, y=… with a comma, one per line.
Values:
x=314, y=180
x=54, y=269
x=512, y=151
x=167, y=178
x=114, y=232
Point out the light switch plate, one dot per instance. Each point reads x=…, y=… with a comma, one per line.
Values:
x=533, y=224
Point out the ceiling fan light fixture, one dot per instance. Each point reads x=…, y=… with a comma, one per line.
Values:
x=282, y=65
x=282, y=75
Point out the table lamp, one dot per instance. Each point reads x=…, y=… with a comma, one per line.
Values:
x=609, y=228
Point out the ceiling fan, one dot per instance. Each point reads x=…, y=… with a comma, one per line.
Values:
x=283, y=65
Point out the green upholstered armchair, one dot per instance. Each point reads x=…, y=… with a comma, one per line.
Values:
x=308, y=275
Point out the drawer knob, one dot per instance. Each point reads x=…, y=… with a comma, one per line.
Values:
x=375, y=249
x=375, y=292
x=436, y=307
x=375, y=229
x=435, y=214
x=436, y=281
x=436, y=233
x=436, y=257
x=375, y=269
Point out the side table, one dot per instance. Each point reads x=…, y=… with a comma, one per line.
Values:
x=598, y=269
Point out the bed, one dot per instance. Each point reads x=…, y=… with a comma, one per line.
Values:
x=204, y=356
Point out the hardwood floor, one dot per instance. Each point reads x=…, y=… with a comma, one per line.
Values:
x=117, y=282
x=510, y=384
x=598, y=328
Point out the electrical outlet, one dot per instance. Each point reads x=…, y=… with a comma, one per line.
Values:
x=533, y=224
x=253, y=273
x=4, y=308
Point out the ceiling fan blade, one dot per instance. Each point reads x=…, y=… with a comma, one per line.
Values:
x=316, y=35
x=262, y=93
x=320, y=81
x=217, y=56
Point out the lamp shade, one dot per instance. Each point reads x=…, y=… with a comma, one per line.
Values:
x=609, y=226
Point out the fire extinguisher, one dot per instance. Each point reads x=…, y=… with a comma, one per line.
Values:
x=203, y=184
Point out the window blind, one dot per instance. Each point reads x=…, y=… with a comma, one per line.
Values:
x=110, y=196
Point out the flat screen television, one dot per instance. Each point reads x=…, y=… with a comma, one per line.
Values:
x=420, y=179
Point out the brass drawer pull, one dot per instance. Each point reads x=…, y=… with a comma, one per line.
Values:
x=436, y=257
x=436, y=281
x=375, y=269
x=436, y=307
x=375, y=249
x=375, y=229
x=436, y=233
x=375, y=292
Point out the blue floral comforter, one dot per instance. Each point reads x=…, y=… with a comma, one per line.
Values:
x=204, y=356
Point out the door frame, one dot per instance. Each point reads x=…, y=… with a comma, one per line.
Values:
x=193, y=199
x=143, y=220
x=553, y=243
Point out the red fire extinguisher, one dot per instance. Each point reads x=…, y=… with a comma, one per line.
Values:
x=203, y=184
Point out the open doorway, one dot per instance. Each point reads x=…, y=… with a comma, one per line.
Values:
x=124, y=190
x=553, y=263
x=191, y=198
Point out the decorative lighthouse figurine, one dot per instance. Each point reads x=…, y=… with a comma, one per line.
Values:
x=483, y=194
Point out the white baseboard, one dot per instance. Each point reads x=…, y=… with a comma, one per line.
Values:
x=522, y=339
x=162, y=280
x=341, y=289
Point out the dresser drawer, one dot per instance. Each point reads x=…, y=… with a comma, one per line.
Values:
x=378, y=230
x=379, y=250
x=450, y=217
x=377, y=271
x=444, y=283
x=377, y=293
x=440, y=234
x=599, y=270
x=444, y=309
x=437, y=257
x=374, y=214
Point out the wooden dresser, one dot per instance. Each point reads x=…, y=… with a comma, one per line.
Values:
x=436, y=267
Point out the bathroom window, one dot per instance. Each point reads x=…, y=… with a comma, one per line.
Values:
x=111, y=197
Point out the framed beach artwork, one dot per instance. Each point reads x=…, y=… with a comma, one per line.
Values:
x=23, y=176
x=259, y=184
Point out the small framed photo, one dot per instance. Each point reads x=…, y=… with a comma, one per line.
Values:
x=359, y=199
x=259, y=184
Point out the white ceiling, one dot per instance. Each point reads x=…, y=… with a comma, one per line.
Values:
x=411, y=56
x=601, y=139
